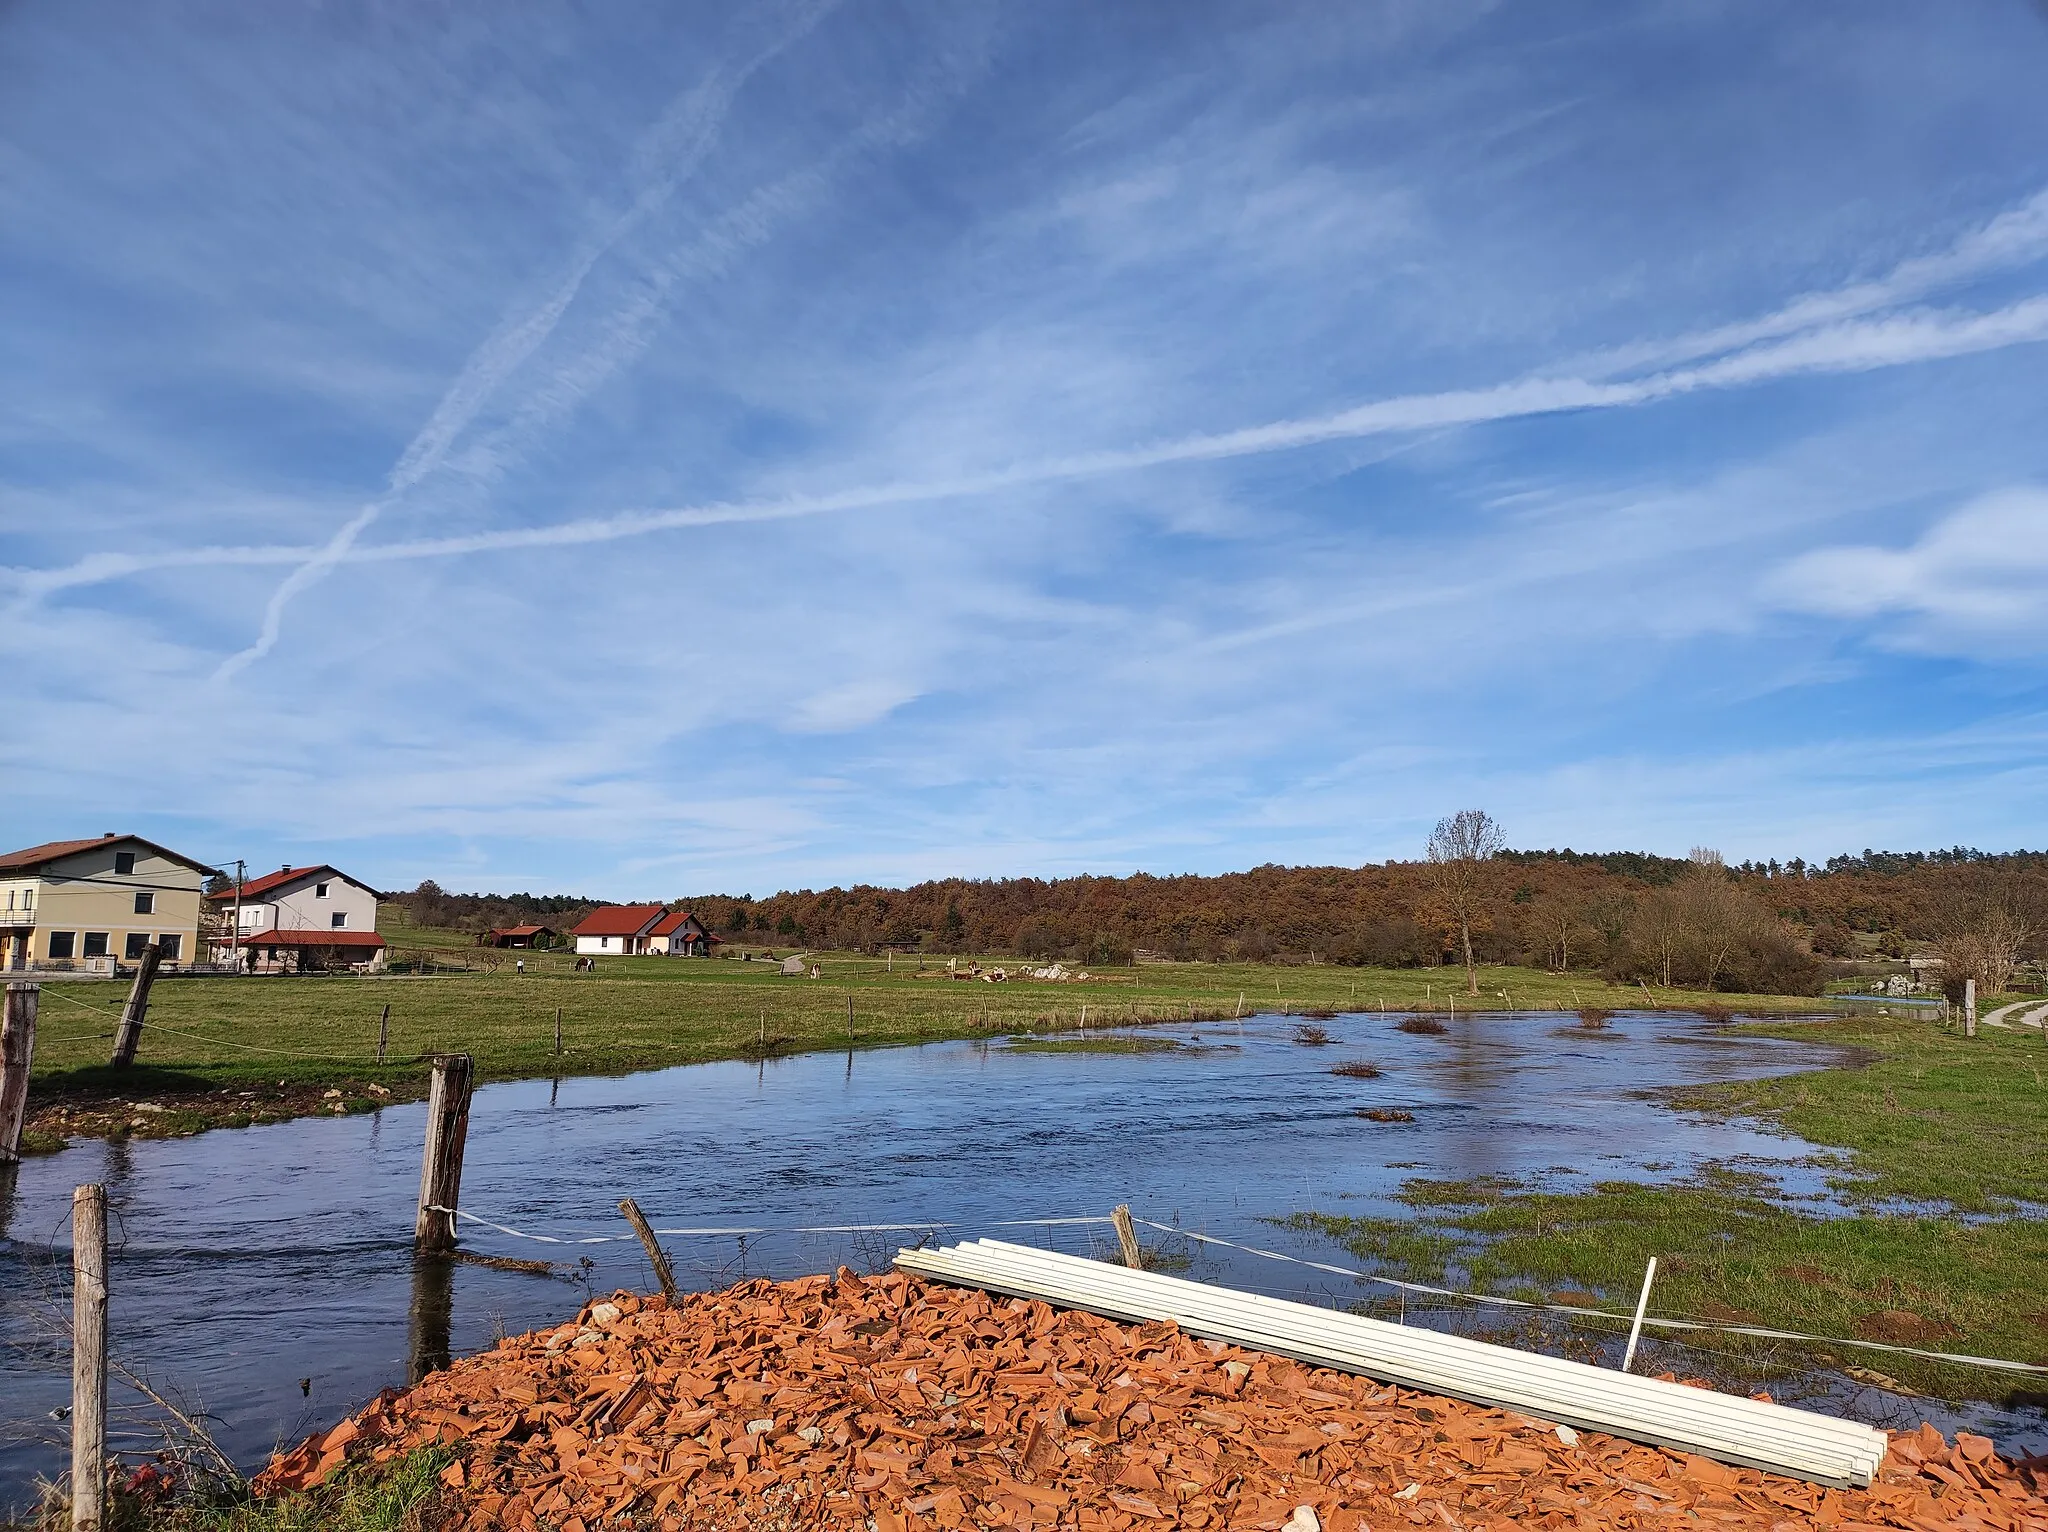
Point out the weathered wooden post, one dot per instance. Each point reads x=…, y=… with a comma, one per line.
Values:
x=383, y=1031
x=558, y=1031
x=130, y=1034
x=1969, y=1007
x=17, y=1053
x=441, y=1162
x=1127, y=1237
x=88, y=1358
x=655, y=1257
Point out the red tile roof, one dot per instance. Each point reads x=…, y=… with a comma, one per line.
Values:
x=619, y=920
x=670, y=923
x=49, y=851
x=256, y=888
x=312, y=936
x=521, y=930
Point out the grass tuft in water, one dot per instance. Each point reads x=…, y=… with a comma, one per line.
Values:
x=1421, y=1026
x=1094, y=1044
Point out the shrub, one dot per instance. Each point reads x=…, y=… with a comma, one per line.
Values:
x=1421, y=1026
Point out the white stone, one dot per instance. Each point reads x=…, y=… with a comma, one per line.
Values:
x=811, y=1435
x=1304, y=1519
x=602, y=1314
x=1568, y=1436
x=760, y=1427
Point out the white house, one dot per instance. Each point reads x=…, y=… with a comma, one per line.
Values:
x=298, y=916
x=642, y=930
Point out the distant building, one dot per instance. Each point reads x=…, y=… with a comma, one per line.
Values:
x=520, y=936
x=87, y=904
x=642, y=930
x=298, y=919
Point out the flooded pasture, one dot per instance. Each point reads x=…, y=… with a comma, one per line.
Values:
x=266, y=1274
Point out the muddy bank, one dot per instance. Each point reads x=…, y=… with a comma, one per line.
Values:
x=145, y=1108
x=892, y=1403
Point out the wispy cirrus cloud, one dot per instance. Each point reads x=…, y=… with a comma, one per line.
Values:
x=1862, y=345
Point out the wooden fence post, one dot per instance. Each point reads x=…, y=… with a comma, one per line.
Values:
x=88, y=1358
x=558, y=1031
x=441, y=1161
x=130, y=1034
x=1969, y=1007
x=662, y=1272
x=383, y=1032
x=1127, y=1237
x=17, y=1052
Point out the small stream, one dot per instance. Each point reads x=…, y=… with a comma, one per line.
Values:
x=266, y=1273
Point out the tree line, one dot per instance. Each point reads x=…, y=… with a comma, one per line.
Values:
x=1687, y=921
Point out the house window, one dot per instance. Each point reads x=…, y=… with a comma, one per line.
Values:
x=171, y=946
x=137, y=940
x=340, y=919
x=319, y=890
x=95, y=944
x=604, y=941
x=63, y=944
x=145, y=904
x=124, y=863
x=28, y=898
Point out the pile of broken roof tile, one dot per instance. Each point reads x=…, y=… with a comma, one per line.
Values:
x=892, y=1403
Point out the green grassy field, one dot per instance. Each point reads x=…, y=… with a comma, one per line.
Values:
x=234, y=1050
x=1939, y=1149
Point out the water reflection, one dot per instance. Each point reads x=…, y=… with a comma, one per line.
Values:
x=430, y=1317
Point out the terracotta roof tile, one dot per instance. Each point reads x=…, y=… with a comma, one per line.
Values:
x=889, y=1403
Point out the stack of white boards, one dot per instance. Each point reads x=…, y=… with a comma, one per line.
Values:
x=1749, y=1432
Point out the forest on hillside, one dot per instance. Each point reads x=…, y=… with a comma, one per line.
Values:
x=1756, y=927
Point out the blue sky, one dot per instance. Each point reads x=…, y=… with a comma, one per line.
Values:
x=647, y=450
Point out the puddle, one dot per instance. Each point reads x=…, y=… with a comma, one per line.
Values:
x=265, y=1273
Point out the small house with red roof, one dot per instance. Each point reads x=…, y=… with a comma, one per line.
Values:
x=528, y=935
x=297, y=919
x=641, y=930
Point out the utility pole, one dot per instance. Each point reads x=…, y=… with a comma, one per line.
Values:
x=235, y=940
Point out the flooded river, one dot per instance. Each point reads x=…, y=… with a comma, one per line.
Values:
x=266, y=1274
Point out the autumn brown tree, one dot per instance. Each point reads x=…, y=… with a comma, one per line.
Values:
x=1459, y=849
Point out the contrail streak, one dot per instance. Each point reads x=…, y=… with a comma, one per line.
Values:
x=1854, y=346
x=1859, y=347
x=681, y=142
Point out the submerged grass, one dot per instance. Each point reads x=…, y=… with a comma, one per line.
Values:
x=1941, y=1145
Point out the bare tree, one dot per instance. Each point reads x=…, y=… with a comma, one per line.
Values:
x=1457, y=848
x=1985, y=945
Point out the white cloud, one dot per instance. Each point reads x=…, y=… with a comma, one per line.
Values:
x=1975, y=583
x=854, y=705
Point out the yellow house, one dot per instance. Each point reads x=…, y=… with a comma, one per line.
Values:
x=87, y=904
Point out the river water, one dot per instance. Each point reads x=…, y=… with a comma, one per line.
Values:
x=265, y=1274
